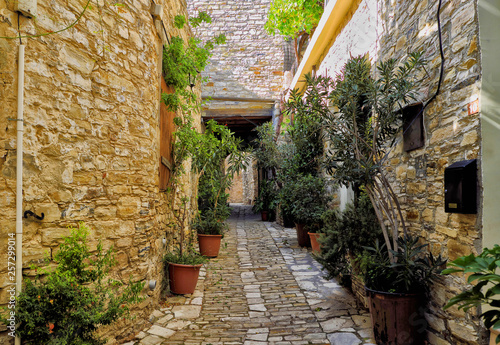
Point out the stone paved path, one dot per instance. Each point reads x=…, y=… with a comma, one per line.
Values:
x=263, y=289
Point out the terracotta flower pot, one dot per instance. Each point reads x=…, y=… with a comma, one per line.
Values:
x=302, y=236
x=397, y=319
x=183, y=278
x=209, y=245
x=494, y=333
x=264, y=215
x=316, y=248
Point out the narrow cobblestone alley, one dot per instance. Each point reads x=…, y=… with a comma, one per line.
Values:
x=262, y=289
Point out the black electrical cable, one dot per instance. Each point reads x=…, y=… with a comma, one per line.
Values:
x=440, y=36
x=442, y=57
x=19, y=27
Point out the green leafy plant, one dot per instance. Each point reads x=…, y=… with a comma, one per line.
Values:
x=66, y=305
x=483, y=273
x=265, y=148
x=345, y=236
x=300, y=157
x=267, y=199
x=361, y=131
x=306, y=199
x=413, y=269
x=208, y=223
x=296, y=19
x=184, y=61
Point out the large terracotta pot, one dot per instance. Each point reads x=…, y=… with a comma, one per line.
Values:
x=316, y=248
x=264, y=215
x=397, y=319
x=493, y=336
x=302, y=236
x=209, y=245
x=183, y=278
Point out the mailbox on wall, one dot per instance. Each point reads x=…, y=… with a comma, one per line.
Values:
x=460, y=187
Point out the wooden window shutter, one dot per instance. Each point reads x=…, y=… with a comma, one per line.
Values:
x=166, y=139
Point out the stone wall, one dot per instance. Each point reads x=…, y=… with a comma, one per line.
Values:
x=91, y=135
x=451, y=134
x=243, y=189
x=250, y=65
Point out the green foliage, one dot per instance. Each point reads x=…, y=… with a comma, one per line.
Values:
x=300, y=158
x=189, y=257
x=291, y=18
x=360, y=140
x=345, y=236
x=209, y=223
x=218, y=145
x=267, y=199
x=183, y=61
x=413, y=269
x=483, y=270
x=265, y=147
x=66, y=305
x=306, y=199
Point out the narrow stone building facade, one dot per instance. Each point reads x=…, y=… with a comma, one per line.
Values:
x=451, y=123
x=91, y=136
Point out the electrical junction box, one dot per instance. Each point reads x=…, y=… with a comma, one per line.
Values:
x=460, y=187
x=26, y=7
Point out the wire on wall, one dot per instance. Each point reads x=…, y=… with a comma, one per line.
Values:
x=441, y=73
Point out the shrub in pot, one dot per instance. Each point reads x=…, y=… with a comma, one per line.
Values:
x=210, y=229
x=345, y=236
x=396, y=289
x=307, y=200
x=482, y=271
x=266, y=201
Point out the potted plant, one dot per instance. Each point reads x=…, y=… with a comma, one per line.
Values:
x=210, y=229
x=184, y=263
x=266, y=201
x=396, y=288
x=216, y=160
x=482, y=272
x=67, y=303
x=345, y=234
x=308, y=200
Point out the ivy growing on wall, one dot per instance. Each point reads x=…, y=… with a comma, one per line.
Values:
x=184, y=61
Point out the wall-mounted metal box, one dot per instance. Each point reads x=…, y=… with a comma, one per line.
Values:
x=460, y=187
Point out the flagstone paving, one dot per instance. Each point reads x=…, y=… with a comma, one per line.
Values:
x=263, y=289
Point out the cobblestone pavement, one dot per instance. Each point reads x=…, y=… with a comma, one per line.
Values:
x=262, y=289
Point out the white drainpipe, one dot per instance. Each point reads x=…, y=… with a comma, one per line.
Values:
x=19, y=178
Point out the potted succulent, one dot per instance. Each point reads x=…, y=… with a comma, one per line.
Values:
x=266, y=201
x=482, y=272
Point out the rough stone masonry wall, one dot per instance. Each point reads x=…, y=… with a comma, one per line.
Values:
x=91, y=135
x=250, y=65
x=450, y=135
